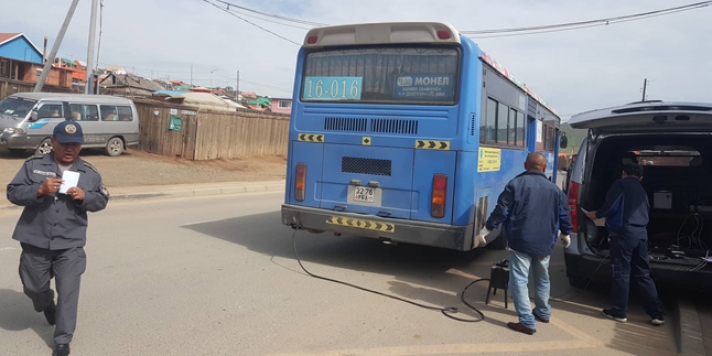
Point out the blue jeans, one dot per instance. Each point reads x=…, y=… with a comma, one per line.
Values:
x=629, y=256
x=519, y=266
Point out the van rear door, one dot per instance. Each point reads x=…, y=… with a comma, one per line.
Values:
x=649, y=116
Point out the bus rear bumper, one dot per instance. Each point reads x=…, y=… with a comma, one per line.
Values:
x=395, y=230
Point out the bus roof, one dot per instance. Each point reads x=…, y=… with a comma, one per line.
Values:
x=402, y=32
x=381, y=33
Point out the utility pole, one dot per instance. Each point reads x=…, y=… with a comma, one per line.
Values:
x=55, y=47
x=89, y=87
x=645, y=87
x=44, y=52
x=237, y=88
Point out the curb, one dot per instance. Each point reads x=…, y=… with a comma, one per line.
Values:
x=198, y=192
x=689, y=329
x=241, y=189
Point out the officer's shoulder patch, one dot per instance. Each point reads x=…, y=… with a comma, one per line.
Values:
x=33, y=157
x=90, y=166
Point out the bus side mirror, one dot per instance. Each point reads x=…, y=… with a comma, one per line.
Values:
x=564, y=142
x=34, y=116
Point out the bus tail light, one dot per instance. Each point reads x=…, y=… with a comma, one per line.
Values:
x=312, y=39
x=437, y=207
x=443, y=35
x=300, y=182
x=573, y=204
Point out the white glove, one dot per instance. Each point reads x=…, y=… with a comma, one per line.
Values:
x=565, y=240
x=480, y=238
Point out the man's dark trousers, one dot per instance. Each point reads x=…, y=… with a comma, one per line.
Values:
x=629, y=256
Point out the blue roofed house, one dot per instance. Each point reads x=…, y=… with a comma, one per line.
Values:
x=18, y=46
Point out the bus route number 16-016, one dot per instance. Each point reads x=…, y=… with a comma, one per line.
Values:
x=332, y=88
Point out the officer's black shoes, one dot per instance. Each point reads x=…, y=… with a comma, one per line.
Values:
x=61, y=350
x=51, y=314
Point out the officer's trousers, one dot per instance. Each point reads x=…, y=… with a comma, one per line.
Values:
x=37, y=267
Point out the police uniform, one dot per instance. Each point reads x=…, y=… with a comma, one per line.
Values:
x=52, y=231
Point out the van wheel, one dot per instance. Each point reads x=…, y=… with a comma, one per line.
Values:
x=45, y=147
x=115, y=147
x=500, y=243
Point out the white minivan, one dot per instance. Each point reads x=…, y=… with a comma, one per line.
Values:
x=673, y=143
x=27, y=121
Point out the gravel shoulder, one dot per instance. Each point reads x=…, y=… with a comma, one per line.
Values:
x=137, y=168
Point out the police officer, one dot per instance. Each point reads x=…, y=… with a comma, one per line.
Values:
x=626, y=212
x=52, y=228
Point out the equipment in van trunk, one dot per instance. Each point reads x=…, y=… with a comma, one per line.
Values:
x=673, y=142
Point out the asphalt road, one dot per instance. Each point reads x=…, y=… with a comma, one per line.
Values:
x=217, y=276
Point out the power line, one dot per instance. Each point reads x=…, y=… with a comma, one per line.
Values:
x=589, y=23
x=268, y=20
x=279, y=17
x=252, y=23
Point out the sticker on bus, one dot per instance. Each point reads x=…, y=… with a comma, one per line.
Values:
x=490, y=160
x=332, y=88
x=424, y=86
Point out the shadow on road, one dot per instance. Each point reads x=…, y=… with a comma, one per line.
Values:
x=17, y=314
x=434, y=276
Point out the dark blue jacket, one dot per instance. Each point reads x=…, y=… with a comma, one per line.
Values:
x=533, y=211
x=626, y=209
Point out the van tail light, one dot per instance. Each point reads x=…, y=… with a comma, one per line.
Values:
x=573, y=204
x=437, y=207
x=300, y=182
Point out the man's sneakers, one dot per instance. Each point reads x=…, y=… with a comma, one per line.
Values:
x=521, y=328
x=610, y=315
x=51, y=313
x=658, y=321
x=61, y=350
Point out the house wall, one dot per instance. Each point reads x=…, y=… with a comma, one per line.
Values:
x=21, y=50
x=277, y=109
x=57, y=76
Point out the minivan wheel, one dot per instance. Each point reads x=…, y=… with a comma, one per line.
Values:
x=45, y=147
x=115, y=147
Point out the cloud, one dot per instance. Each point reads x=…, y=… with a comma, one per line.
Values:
x=573, y=70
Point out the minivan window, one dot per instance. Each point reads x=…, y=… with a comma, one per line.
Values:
x=16, y=107
x=50, y=111
x=116, y=113
x=84, y=112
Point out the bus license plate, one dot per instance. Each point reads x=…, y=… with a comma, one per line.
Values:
x=364, y=194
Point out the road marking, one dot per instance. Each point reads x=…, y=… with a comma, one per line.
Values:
x=361, y=224
x=306, y=137
x=469, y=349
x=432, y=145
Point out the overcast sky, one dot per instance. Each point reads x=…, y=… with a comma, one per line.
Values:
x=573, y=71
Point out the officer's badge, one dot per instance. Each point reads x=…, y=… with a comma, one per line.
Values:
x=71, y=129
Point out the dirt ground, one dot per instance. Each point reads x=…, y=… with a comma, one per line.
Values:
x=137, y=168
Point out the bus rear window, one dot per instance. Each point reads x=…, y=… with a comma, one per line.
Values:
x=382, y=75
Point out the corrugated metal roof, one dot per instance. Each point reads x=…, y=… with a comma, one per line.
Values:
x=4, y=37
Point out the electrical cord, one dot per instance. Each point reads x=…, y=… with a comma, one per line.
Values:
x=446, y=311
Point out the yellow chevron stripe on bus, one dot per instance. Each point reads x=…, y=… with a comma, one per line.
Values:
x=361, y=224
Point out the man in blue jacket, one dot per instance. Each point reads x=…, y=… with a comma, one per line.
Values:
x=535, y=214
x=626, y=212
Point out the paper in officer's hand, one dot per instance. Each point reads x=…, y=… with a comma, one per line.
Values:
x=597, y=222
x=70, y=180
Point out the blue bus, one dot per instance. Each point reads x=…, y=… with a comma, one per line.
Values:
x=407, y=132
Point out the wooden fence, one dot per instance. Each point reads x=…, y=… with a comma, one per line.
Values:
x=11, y=86
x=209, y=134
